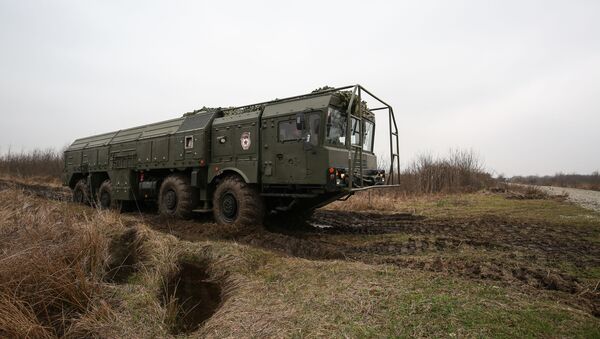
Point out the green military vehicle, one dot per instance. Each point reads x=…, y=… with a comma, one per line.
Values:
x=287, y=155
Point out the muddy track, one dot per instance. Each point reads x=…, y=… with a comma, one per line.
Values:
x=520, y=254
x=489, y=232
x=48, y=192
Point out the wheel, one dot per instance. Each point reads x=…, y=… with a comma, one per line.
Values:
x=105, y=198
x=176, y=197
x=235, y=202
x=81, y=192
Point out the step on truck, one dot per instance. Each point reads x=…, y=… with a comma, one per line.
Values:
x=289, y=155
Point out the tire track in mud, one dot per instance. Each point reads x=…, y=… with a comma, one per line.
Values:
x=429, y=244
x=48, y=192
x=488, y=232
x=441, y=237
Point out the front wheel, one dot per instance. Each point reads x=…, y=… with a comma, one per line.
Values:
x=235, y=202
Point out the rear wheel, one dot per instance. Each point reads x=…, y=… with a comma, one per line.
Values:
x=176, y=197
x=235, y=202
x=81, y=192
x=105, y=197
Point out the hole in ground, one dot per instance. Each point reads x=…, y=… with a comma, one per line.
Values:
x=190, y=298
x=123, y=259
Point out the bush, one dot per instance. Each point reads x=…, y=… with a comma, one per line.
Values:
x=37, y=163
x=460, y=171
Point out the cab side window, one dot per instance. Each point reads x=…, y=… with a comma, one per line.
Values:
x=288, y=131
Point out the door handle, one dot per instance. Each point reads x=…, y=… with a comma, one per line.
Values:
x=279, y=156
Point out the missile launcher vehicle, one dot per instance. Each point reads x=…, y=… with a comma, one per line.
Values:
x=288, y=155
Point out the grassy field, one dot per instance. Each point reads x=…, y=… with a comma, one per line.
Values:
x=463, y=265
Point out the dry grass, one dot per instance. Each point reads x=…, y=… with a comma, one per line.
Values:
x=524, y=192
x=51, y=266
x=56, y=258
x=67, y=271
x=64, y=269
x=383, y=200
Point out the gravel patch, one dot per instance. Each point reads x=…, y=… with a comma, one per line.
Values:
x=584, y=198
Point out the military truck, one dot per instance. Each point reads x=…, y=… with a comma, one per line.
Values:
x=240, y=163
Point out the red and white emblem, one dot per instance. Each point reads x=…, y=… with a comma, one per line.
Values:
x=245, y=141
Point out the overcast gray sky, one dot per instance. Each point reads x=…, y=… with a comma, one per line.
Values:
x=516, y=81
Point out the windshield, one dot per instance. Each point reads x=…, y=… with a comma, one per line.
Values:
x=336, y=130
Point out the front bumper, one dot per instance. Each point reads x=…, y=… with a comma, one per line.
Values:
x=338, y=178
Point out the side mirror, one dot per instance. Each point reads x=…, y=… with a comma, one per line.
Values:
x=300, y=121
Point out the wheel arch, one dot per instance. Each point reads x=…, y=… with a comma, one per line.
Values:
x=74, y=178
x=227, y=172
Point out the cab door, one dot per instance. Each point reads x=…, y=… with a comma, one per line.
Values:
x=285, y=157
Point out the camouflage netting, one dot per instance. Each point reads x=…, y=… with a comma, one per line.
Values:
x=234, y=111
x=203, y=109
x=344, y=98
x=227, y=111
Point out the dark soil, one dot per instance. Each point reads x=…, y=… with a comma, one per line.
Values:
x=193, y=295
x=123, y=257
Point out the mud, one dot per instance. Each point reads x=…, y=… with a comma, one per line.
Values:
x=191, y=297
x=490, y=233
x=48, y=192
x=342, y=222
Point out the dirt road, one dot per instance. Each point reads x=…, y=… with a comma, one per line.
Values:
x=584, y=198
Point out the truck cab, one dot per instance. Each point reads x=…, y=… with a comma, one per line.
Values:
x=307, y=151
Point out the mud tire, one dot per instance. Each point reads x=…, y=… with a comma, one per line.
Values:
x=105, y=198
x=235, y=202
x=81, y=192
x=176, y=197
